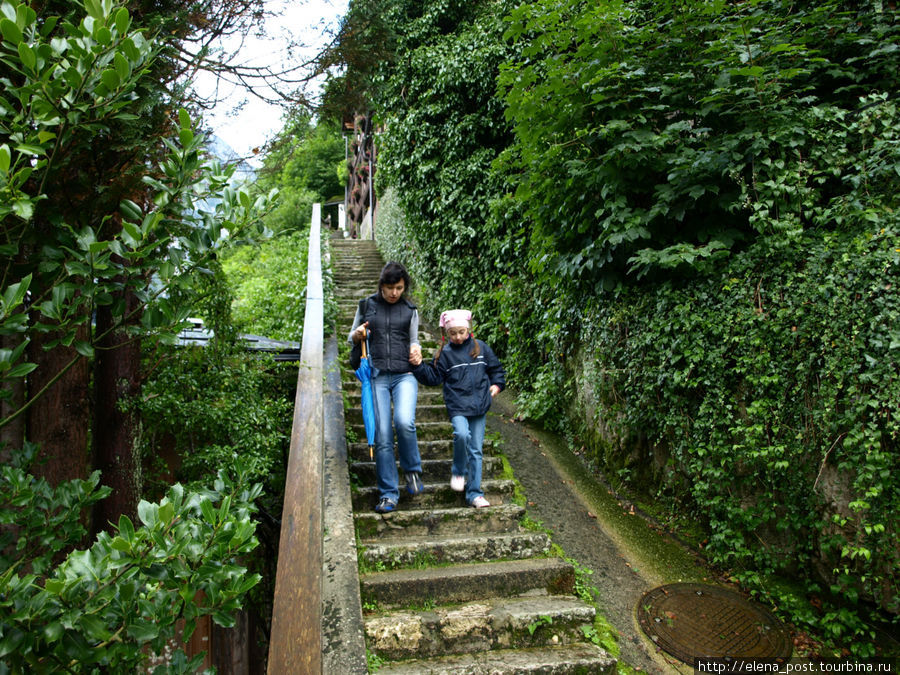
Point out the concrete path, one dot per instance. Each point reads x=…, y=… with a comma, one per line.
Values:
x=627, y=555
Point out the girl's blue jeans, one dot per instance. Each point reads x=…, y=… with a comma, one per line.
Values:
x=468, y=439
x=401, y=389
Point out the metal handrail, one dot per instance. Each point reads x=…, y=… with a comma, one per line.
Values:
x=296, y=638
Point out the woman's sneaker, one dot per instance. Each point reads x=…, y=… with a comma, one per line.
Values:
x=385, y=505
x=480, y=502
x=414, y=483
x=457, y=483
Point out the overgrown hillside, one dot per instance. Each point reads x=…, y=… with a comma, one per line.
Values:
x=677, y=223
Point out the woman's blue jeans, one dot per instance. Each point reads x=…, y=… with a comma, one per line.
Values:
x=468, y=439
x=401, y=389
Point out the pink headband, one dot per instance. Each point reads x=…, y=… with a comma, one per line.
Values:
x=455, y=317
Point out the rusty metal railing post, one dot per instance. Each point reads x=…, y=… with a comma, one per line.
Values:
x=296, y=639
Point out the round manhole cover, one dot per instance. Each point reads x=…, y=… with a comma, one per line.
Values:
x=694, y=621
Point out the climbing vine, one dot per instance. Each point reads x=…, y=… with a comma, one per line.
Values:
x=676, y=222
x=770, y=392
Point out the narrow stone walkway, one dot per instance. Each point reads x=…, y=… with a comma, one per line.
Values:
x=447, y=588
x=625, y=554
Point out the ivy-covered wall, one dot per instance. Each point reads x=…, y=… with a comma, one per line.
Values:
x=767, y=395
x=676, y=222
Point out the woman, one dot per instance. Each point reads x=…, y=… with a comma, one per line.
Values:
x=392, y=322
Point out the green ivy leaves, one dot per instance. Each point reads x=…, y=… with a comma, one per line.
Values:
x=695, y=203
x=643, y=150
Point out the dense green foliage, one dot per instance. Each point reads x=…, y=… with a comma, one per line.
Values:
x=207, y=409
x=683, y=129
x=302, y=163
x=269, y=283
x=445, y=128
x=112, y=605
x=768, y=394
x=101, y=216
x=677, y=224
x=72, y=268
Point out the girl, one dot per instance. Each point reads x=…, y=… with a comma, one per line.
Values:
x=393, y=322
x=472, y=376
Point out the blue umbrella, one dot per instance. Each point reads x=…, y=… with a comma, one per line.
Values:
x=364, y=375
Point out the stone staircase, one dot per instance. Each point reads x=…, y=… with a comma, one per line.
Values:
x=447, y=588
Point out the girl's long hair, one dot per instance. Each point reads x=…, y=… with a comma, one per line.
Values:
x=476, y=350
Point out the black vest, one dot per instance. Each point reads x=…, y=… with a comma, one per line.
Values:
x=389, y=338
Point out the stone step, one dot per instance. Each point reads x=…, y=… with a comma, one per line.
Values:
x=468, y=582
x=425, y=431
x=357, y=267
x=350, y=290
x=497, y=492
x=496, y=623
x=428, y=412
x=373, y=527
x=576, y=658
x=427, y=396
x=442, y=449
x=433, y=470
x=355, y=251
x=356, y=247
x=401, y=552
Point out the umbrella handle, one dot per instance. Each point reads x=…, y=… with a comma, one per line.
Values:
x=365, y=344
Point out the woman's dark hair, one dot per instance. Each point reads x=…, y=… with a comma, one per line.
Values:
x=392, y=273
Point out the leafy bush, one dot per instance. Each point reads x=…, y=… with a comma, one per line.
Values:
x=656, y=135
x=269, y=285
x=773, y=389
x=206, y=410
x=106, y=227
x=445, y=127
x=111, y=606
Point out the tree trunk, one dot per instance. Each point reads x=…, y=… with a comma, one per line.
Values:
x=116, y=378
x=59, y=420
x=12, y=435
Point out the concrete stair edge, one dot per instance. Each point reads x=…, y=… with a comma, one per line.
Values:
x=494, y=623
x=467, y=582
x=579, y=658
x=373, y=527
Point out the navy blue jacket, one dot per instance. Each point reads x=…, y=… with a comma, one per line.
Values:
x=467, y=380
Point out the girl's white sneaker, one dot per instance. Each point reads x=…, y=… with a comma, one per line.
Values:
x=480, y=502
x=457, y=483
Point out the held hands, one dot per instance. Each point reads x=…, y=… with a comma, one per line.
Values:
x=495, y=389
x=415, y=355
x=360, y=333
